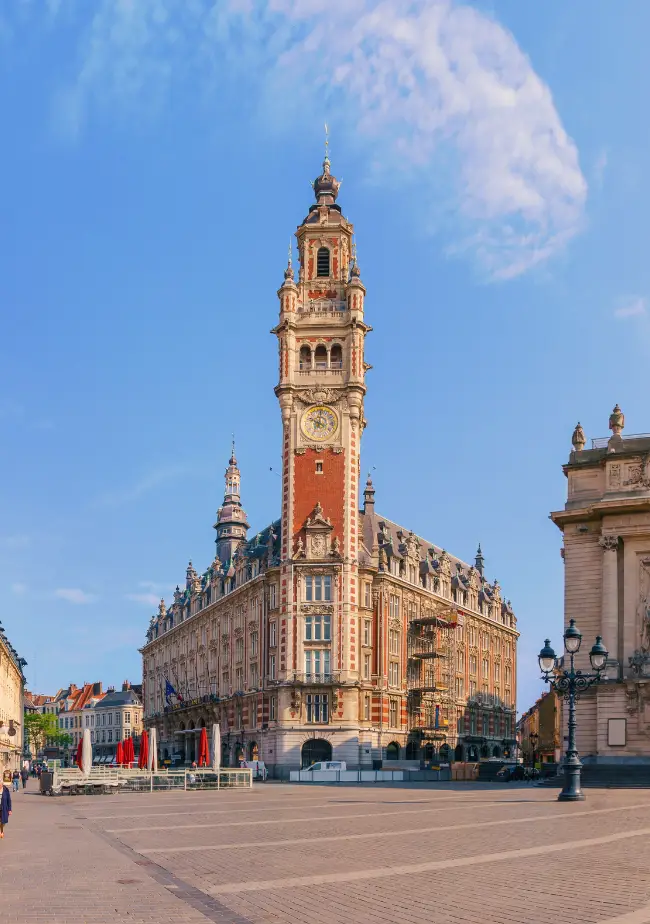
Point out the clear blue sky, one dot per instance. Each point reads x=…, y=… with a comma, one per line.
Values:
x=155, y=159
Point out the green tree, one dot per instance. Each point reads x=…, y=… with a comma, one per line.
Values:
x=41, y=729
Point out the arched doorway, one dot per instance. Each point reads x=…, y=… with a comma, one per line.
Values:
x=445, y=753
x=253, y=751
x=315, y=749
x=392, y=751
x=429, y=752
x=225, y=754
x=472, y=752
x=458, y=752
x=485, y=752
x=497, y=751
x=239, y=753
x=412, y=750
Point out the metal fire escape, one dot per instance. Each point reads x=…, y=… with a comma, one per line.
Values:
x=431, y=639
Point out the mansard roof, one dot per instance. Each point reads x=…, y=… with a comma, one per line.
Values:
x=379, y=532
x=264, y=548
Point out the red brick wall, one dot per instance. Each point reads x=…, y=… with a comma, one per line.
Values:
x=327, y=489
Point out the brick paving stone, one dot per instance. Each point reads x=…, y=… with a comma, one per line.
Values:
x=329, y=855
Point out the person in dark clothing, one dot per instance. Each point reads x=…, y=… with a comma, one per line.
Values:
x=24, y=775
x=15, y=779
x=5, y=807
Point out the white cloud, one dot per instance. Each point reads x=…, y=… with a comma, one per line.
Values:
x=74, y=595
x=19, y=589
x=634, y=306
x=437, y=94
x=148, y=599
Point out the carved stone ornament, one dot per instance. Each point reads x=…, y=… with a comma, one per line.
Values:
x=638, y=474
x=614, y=473
x=318, y=546
x=317, y=609
x=643, y=608
x=578, y=439
x=318, y=395
x=608, y=543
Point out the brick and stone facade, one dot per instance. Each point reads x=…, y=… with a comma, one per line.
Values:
x=334, y=632
x=606, y=529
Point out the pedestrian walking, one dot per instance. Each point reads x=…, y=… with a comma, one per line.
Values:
x=15, y=779
x=5, y=807
x=24, y=775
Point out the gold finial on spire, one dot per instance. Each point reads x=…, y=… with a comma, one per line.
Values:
x=290, y=251
x=327, y=144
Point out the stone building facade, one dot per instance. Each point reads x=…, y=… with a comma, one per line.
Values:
x=606, y=528
x=115, y=717
x=333, y=632
x=12, y=688
x=540, y=731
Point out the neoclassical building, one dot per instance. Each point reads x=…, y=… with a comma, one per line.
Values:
x=606, y=528
x=333, y=631
x=12, y=689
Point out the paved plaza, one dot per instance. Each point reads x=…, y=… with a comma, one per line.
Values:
x=328, y=855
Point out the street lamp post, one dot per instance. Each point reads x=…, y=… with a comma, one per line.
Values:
x=534, y=738
x=571, y=683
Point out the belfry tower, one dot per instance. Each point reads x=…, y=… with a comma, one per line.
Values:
x=321, y=389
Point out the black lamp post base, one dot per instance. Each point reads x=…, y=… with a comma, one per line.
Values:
x=571, y=796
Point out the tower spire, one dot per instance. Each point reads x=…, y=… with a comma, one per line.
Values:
x=231, y=525
x=479, y=561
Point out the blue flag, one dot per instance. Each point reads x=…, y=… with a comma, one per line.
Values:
x=170, y=691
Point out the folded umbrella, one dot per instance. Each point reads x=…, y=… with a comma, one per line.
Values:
x=152, y=762
x=119, y=754
x=78, y=758
x=86, y=753
x=203, y=748
x=143, y=757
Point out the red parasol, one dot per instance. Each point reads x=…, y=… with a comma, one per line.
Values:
x=203, y=749
x=130, y=753
x=78, y=757
x=119, y=754
x=144, y=751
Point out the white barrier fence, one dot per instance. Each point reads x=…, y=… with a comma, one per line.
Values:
x=71, y=780
x=346, y=776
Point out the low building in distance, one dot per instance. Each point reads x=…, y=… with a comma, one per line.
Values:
x=117, y=716
x=539, y=731
x=606, y=528
x=334, y=632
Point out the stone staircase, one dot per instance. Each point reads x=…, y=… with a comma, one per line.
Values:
x=632, y=776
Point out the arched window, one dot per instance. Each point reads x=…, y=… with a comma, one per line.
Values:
x=336, y=357
x=305, y=357
x=323, y=262
x=320, y=357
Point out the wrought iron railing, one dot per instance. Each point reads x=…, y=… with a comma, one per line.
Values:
x=602, y=441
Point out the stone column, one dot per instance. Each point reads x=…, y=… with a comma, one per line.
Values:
x=609, y=613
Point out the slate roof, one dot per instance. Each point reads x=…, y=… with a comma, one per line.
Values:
x=119, y=698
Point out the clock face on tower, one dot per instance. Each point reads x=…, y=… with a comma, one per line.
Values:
x=319, y=423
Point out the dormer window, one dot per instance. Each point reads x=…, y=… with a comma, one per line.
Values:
x=323, y=262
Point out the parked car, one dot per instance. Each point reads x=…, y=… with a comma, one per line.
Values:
x=257, y=766
x=328, y=765
x=517, y=772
